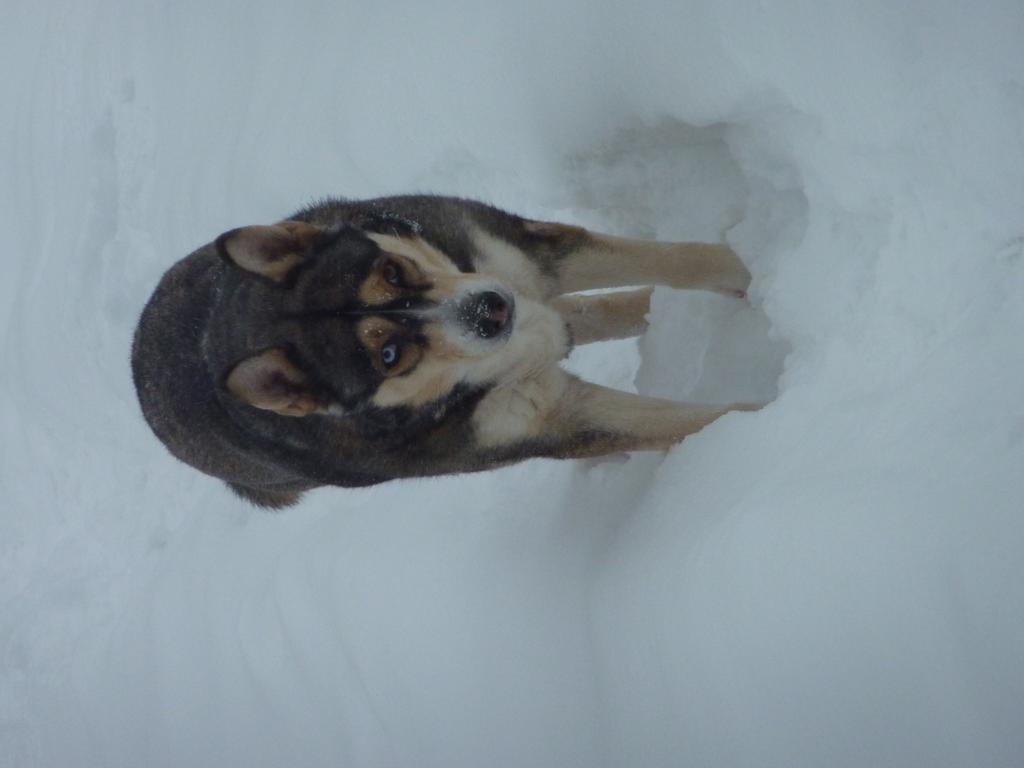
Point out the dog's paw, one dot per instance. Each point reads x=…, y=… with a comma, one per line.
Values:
x=731, y=278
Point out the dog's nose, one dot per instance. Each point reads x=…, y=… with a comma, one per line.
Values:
x=490, y=313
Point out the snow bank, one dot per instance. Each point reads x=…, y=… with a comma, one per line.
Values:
x=833, y=580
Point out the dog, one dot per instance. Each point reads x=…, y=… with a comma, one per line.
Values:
x=357, y=342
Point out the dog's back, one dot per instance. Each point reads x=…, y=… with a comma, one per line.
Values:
x=178, y=395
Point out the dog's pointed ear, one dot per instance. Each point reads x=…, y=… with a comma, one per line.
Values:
x=269, y=251
x=272, y=382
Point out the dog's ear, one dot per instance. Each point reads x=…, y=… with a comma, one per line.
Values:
x=273, y=382
x=269, y=251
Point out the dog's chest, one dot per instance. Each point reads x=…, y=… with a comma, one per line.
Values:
x=509, y=265
x=519, y=410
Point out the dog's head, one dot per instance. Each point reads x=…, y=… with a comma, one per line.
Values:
x=339, y=321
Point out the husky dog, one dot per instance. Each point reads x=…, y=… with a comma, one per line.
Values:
x=359, y=342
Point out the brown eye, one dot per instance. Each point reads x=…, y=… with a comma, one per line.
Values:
x=391, y=273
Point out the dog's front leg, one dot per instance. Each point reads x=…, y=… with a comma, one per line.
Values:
x=595, y=421
x=559, y=416
x=592, y=260
x=617, y=315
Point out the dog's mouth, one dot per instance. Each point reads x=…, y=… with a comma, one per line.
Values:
x=488, y=314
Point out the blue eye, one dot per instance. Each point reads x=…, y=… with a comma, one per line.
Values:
x=389, y=354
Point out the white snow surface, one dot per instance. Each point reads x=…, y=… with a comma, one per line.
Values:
x=835, y=580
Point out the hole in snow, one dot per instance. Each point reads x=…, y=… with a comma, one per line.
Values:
x=675, y=181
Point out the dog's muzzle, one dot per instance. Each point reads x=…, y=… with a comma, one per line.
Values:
x=489, y=314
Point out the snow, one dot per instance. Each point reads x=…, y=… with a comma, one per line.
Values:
x=834, y=580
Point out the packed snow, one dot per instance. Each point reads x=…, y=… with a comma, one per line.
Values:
x=834, y=580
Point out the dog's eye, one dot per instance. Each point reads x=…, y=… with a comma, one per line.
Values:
x=389, y=354
x=391, y=273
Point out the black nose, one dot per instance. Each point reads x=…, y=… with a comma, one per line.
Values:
x=489, y=313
